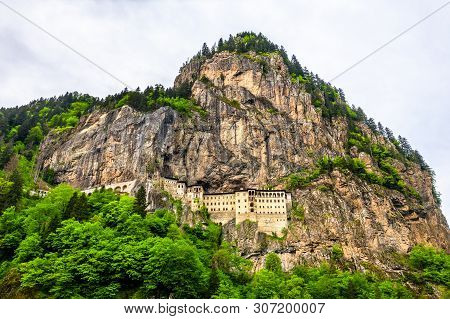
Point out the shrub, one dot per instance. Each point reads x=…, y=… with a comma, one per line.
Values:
x=434, y=265
x=336, y=252
x=323, y=188
x=232, y=103
x=298, y=211
x=273, y=263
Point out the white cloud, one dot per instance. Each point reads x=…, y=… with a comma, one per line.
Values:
x=405, y=86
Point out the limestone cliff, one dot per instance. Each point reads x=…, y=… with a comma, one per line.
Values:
x=259, y=128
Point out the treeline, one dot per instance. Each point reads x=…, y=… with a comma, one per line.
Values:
x=154, y=97
x=23, y=128
x=402, y=151
x=68, y=245
x=330, y=100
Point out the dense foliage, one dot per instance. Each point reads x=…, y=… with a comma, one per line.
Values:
x=390, y=178
x=154, y=97
x=68, y=245
x=23, y=128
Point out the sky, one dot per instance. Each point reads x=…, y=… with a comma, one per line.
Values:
x=405, y=86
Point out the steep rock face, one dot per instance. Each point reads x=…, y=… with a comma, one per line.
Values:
x=368, y=222
x=259, y=128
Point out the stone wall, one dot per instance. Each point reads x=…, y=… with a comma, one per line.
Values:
x=123, y=188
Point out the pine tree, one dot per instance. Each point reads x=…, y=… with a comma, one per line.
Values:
x=284, y=54
x=220, y=45
x=71, y=207
x=405, y=146
x=381, y=129
x=6, y=152
x=205, y=50
x=77, y=207
x=296, y=67
x=342, y=95
x=140, y=203
x=230, y=44
x=371, y=124
x=15, y=194
x=417, y=158
x=389, y=134
x=83, y=207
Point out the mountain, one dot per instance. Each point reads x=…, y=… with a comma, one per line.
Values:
x=244, y=115
x=261, y=127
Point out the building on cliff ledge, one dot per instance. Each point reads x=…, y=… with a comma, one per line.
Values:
x=268, y=208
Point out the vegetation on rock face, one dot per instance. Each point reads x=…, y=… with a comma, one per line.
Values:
x=389, y=177
x=297, y=211
x=153, y=98
x=71, y=246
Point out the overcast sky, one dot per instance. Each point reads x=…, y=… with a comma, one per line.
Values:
x=405, y=85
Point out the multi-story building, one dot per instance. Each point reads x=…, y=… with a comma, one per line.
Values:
x=268, y=208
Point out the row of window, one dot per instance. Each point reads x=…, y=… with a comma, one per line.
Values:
x=220, y=209
x=271, y=207
x=232, y=210
x=218, y=197
x=275, y=194
x=266, y=213
x=231, y=203
x=269, y=200
x=217, y=204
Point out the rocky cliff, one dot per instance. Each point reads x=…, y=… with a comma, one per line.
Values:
x=260, y=127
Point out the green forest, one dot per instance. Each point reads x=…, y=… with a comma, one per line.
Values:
x=68, y=245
